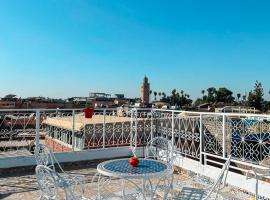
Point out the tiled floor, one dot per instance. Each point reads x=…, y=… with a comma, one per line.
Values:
x=24, y=186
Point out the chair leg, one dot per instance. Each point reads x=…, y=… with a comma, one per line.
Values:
x=42, y=197
x=123, y=189
x=257, y=185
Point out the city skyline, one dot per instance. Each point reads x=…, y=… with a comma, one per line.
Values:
x=62, y=49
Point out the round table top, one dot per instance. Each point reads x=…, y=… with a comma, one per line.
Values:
x=147, y=168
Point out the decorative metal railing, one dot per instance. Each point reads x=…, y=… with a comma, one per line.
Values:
x=193, y=134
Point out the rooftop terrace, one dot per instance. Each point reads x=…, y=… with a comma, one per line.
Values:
x=200, y=142
x=24, y=185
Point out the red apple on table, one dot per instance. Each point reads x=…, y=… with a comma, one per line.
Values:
x=134, y=161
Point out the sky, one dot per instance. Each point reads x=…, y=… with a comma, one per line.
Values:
x=70, y=48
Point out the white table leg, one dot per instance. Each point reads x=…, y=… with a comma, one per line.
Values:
x=123, y=189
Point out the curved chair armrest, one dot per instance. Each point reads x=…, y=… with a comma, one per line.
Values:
x=80, y=177
x=258, y=173
x=249, y=173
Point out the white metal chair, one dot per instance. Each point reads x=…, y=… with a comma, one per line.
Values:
x=45, y=157
x=50, y=182
x=212, y=192
x=258, y=173
x=106, y=188
x=160, y=148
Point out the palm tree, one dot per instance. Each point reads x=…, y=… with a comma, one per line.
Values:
x=155, y=94
x=182, y=92
x=244, y=99
x=238, y=96
x=163, y=94
x=203, y=92
x=173, y=92
x=150, y=92
x=159, y=94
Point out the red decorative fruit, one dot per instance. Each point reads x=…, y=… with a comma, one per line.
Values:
x=134, y=161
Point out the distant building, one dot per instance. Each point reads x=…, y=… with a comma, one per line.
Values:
x=238, y=109
x=120, y=96
x=160, y=104
x=99, y=94
x=8, y=102
x=145, y=91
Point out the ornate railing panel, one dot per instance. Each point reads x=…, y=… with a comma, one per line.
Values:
x=187, y=136
x=17, y=132
x=250, y=140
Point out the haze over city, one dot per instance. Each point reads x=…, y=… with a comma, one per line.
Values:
x=69, y=48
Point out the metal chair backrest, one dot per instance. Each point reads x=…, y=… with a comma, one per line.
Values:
x=221, y=180
x=45, y=157
x=159, y=148
x=46, y=181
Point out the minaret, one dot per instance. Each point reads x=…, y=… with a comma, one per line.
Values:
x=145, y=90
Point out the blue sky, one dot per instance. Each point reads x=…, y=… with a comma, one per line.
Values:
x=69, y=48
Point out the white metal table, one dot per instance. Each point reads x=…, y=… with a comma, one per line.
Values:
x=147, y=171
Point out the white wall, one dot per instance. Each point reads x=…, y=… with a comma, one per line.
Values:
x=21, y=161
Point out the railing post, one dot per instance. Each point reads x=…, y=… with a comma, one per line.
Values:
x=104, y=129
x=136, y=130
x=201, y=140
x=133, y=131
x=152, y=123
x=73, y=129
x=131, y=128
x=37, y=126
x=224, y=135
x=172, y=135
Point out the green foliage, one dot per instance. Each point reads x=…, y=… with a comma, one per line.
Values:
x=238, y=96
x=213, y=95
x=255, y=97
x=155, y=94
x=177, y=99
x=224, y=95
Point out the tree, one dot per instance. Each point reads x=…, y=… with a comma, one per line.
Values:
x=238, y=96
x=224, y=95
x=173, y=92
x=163, y=94
x=182, y=92
x=203, y=91
x=159, y=94
x=164, y=98
x=177, y=99
x=155, y=94
x=150, y=92
x=211, y=97
x=198, y=102
x=255, y=97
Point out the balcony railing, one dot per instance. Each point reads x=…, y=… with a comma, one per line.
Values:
x=201, y=137
x=245, y=136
